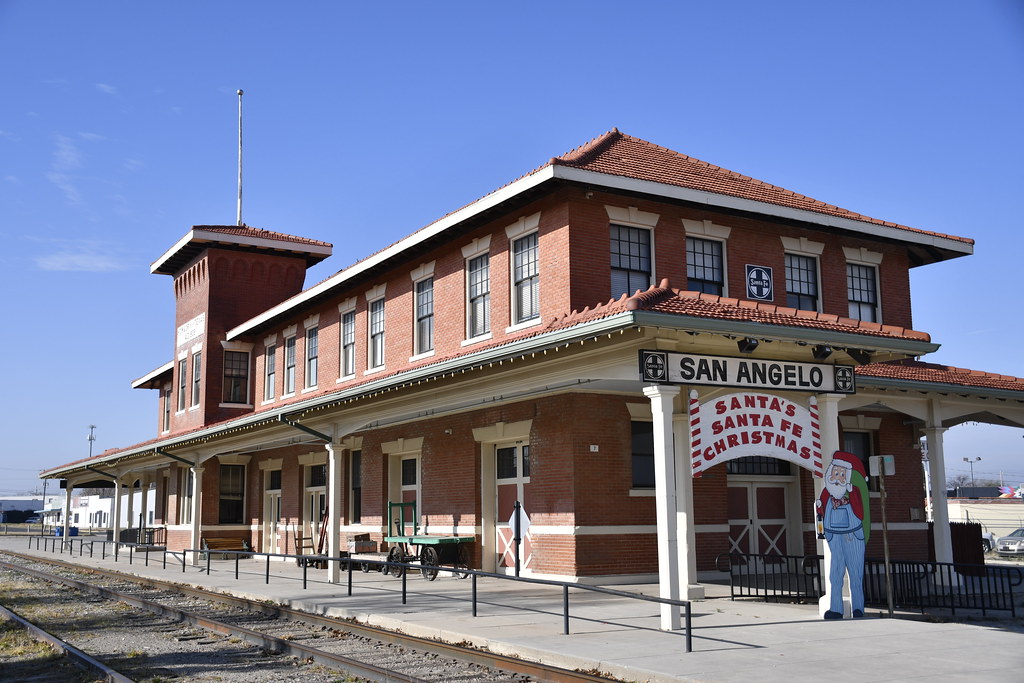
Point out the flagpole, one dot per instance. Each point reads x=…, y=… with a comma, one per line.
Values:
x=240, y=158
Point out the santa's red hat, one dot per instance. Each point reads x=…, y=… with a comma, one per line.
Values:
x=849, y=461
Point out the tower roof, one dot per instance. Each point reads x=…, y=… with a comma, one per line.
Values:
x=239, y=238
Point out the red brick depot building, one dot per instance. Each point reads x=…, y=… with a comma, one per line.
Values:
x=551, y=343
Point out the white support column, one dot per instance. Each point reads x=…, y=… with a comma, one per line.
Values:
x=131, y=503
x=116, y=522
x=67, y=513
x=665, y=501
x=940, y=513
x=144, y=504
x=334, y=479
x=197, y=510
x=692, y=590
x=828, y=424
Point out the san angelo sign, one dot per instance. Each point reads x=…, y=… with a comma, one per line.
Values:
x=750, y=423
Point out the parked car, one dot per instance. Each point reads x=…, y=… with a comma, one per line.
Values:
x=1012, y=545
x=32, y=520
x=988, y=541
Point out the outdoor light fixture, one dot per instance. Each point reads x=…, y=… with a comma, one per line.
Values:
x=747, y=345
x=971, y=462
x=861, y=356
x=821, y=352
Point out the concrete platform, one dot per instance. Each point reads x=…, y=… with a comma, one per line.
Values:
x=732, y=640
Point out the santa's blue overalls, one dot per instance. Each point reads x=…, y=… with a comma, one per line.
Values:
x=845, y=535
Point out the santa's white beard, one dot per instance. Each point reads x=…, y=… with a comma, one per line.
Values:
x=838, y=490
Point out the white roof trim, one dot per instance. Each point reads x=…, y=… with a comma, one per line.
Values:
x=247, y=240
x=419, y=236
x=553, y=171
x=166, y=367
x=726, y=201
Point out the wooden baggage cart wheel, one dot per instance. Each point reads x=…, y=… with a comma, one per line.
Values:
x=429, y=562
x=462, y=560
x=395, y=555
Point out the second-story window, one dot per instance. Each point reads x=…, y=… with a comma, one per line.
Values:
x=197, y=376
x=236, y=377
x=425, y=316
x=289, y=365
x=377, y=333
x=705, y=266
x=525, y=279
x=270, y=372
x=862, y=291
x=167, y=408
x=182, y=382
x=630, y=259
x=802, y=282
x=348, y=343
x=312, y=355
x=478, y=272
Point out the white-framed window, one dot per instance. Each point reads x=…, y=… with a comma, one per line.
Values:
x=862, y=284
x=525, y=279
x=348, y=343
x=197, y=377
x=478, y=294
x=185, y=490
x=167, y=407
x=289, y=365
x=512, y=463
x=705, y=265
x=270, y=372
x=802, y=291
x=862, y=291
x=424, y=302
x=631, y=260
x=803, y=272
x=376, y=332
x=236, y=376
x=312, y=356
x=182, y=382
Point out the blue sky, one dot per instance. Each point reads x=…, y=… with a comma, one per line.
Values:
x=364, y=122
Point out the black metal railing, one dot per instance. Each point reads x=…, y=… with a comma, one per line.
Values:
x=915, y=585
x=116, y=550
x=772, y=577
x=943, y=585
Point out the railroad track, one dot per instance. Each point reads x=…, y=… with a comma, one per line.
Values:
x=368, y=652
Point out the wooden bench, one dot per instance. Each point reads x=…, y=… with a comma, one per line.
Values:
x=226, y=544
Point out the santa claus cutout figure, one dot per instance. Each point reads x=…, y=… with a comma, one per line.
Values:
x=844, y=516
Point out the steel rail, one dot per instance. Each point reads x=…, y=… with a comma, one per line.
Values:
x=266, y=641
x=68, y=649
x=536, y=670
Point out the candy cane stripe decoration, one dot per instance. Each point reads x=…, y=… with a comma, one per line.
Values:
x=695, y=432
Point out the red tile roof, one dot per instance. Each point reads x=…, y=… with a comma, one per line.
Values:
x=917, y=371
x=615, y=153
x=665, y=299
x=260, y=233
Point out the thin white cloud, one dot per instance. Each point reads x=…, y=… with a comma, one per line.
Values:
x=92, y=137
x=106, y=88
x=64, y=184
x=66, y=155
x=90, y=256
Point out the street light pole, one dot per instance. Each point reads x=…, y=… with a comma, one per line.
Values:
x=971, y=463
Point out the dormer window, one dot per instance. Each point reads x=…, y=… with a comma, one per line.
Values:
x=236, y=377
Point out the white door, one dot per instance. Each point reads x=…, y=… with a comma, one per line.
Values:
x=512, y=474
x=272, y=530
x=757, y=518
